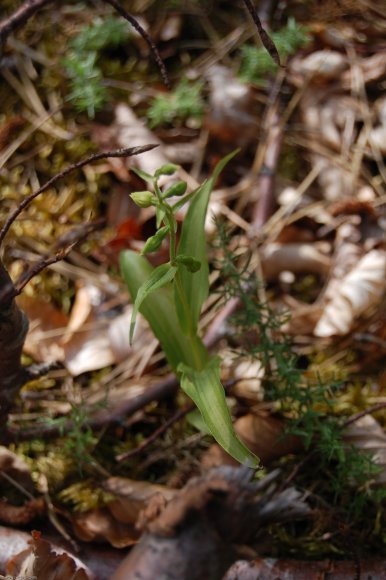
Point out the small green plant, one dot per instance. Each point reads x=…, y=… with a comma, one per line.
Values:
x=256, y=61
x=183, y=103
x=87, y=90
x=171, y=296
x=307, y=403
x=80, y=441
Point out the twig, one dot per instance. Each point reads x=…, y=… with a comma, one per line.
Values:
x=363, y=413
x=266, y=40
x=127, y=152
x=135, y=24
x=157, y=433
x=19, y=18
x=164, y=389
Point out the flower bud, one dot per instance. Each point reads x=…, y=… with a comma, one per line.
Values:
x=167, y=169
x=177, y=189
x=153, y=243
x=143, y=198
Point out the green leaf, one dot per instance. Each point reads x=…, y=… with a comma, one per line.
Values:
x=160, y=214
x=142, y=174
x=191, y=289
x=205, y=389
x=159, y=310
x=190, y=263
x=157, y=279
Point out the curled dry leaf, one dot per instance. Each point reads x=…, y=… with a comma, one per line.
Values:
x=231, y=116
x=362, y=288
x=276, y=258
x=264, y=436
x=42, y=560
x=367, y=435
x=130, y=129
x=90, y=339
x=131, y=497
x=46, y=324
x=320, y=65
x=116, y=523
x=100, y=525
x=24, y=514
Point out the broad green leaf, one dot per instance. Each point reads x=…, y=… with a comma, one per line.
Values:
x=157, y=280
x=195, y=418
x=159, y=310
x=205, y=389
x=190, y=263
x=191, y=289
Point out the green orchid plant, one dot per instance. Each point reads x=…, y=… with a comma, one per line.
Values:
x=171, y=297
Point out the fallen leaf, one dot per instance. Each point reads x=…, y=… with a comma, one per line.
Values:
x=276, y=258
x=132, y=497
x=42, y=561
x=263, y=435
x=362, y=288
x=100, y=525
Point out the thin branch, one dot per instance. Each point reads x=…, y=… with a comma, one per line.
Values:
x=64, y=245
x=266, y=40
x=128, y=152
x=135, y=24
x=368, y=411
x=19, y=18
x=39, y=266
x=180, y=414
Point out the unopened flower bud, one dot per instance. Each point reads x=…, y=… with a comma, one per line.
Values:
x=154, y=243
x=167, y=169
x=143, y=198
x=177, y=189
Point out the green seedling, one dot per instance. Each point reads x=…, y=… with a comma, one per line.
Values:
x=171, y=296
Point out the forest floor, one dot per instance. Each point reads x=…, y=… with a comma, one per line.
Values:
x=104, y=444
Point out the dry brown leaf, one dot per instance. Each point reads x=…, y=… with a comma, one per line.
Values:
x=320, y=65
x=100, y=525
x=132, y=497
x=362, y=288
x=23, y=514
x=231, y=116
x=276, y=258
x=130, y=129
x=367, y=436
x=46, y=324
x=263, y=435
x=43, y=562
